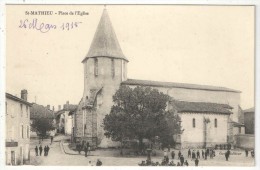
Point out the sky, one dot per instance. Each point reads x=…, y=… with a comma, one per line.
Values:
x=208, y=45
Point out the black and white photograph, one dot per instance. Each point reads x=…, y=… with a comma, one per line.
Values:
x=129, y=85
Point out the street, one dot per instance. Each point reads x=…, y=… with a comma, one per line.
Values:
x=57, y=157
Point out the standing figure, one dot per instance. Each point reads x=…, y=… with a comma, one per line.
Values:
x=202, y=153
x=206, y=155
x=193, y=155
x=173, y=154
x=182, y=160
x=246, y=152
x=40, y=149
x=164, y=154
x=189, y=153
x=86, y=151
x=36, y=151
x=51, y=139
x=179, y=154
x=196, y=162
x=47, y=150
x=198, y=154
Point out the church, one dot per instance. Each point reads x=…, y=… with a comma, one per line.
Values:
x=210, y=115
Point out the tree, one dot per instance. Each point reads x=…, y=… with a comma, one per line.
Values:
x=139, y=113
x=42, y=125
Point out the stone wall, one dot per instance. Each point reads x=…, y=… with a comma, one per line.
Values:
x=245, y=141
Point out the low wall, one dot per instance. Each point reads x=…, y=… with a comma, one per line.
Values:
x=245, y=141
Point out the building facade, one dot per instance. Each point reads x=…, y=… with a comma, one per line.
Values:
x=105, y=70
x=64, y=120
x=249, y=119
x=17, y=129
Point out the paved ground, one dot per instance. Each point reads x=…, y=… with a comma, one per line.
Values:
x=58, y=157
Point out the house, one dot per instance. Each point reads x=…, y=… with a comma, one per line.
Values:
x=64, y=120
x=17, y=142
x=105, y=70
x=249, y=120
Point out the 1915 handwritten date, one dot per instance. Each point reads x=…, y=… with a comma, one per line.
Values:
x=37, y=25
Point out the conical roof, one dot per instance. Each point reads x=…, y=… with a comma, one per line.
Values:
x=105, y=42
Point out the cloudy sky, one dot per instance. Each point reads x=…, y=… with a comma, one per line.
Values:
x=211, y=45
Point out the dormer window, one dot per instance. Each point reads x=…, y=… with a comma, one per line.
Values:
x=96, y=67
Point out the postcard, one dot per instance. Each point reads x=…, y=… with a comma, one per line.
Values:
x=130, y=85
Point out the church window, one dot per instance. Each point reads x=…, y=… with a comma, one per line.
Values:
x=193, y=122
x=112, y=68
x=96, y=67
x=216, y=123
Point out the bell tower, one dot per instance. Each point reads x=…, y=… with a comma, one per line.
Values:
x=105, y=67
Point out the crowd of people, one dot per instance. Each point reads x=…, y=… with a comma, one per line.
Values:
x=192, y=155
x=38, y=150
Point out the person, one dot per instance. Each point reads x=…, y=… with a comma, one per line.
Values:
x=202, y=153
x=196, y=162
x=89, y=163
x=167, y=159
x=40, y=149
x=193, y=155
x=47, y=150
x=206, y=155
x=99, y=163
x=78, y=148
x=51, y=139
x=164, y=154
x=182, y=160
x=227, y=155
x=178, y=164
x=246, y=152
x=86, y=151
x=198, y=154
x=179, y=154
x=88, y=148
x=36, y=150
x=253, y=153
x=186, y=163
x=173, y=154
x=189, y=153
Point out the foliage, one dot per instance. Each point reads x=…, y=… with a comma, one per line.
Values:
x=42, y=126
x=139, y=113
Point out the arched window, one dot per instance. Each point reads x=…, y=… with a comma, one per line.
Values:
x=194, y=122
x=216, y=123
x=112, y=68
x=96, y=67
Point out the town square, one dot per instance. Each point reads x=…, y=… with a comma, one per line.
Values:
x=130, y=85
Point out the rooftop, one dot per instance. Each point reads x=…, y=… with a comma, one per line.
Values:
x=10, y=96
x=200, y=107
x=176, y=85
x=105, y=43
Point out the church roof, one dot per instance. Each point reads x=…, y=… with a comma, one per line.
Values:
x=176, y=85
x=200, y=107
x=105, y=43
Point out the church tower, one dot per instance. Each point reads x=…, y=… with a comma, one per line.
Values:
x=105, y=67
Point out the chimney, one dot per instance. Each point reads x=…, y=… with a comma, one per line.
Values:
x=24, y=94
x=48, y=107
x=59, y=107
x=53, y=108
